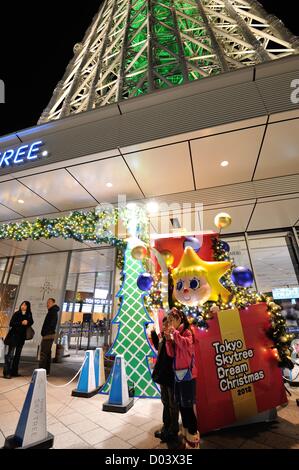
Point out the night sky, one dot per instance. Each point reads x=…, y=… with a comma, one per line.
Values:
x=44, y=34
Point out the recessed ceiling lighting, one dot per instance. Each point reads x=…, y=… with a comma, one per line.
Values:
x=224, y=163
x=109, y=185
x=20, y=201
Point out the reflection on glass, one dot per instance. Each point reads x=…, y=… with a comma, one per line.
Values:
x=9, y=290
x=3, y=263
x=272, y=262
x=88, y=297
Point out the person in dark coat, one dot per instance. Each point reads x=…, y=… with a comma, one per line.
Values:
x=48, y=334
x=163, y=374
x=16, y=338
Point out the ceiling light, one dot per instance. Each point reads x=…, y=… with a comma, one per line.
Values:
x=109, y=185
x=224, y=163
x=152, y=207
x=20, y=201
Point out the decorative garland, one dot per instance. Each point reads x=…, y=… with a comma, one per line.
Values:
x=97, y=226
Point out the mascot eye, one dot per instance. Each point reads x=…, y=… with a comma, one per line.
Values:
x=194, y=284
x=179, y=285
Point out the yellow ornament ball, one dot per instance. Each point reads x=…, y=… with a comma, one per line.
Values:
x=139, y=252
x=168, y=257
x=283, y=339
x=222, y=220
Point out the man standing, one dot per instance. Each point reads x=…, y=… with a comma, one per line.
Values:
x=48, y=334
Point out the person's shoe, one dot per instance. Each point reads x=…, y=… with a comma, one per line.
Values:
x=165, y=437
x=192, y=441
x=6, y=376
x=16, y=375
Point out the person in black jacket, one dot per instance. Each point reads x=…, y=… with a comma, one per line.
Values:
x=163, y=374
x=15, y=339
x=48, y=333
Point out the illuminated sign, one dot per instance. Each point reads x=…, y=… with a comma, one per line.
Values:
x=286, y=293
x=22, y=154
x=98, y=301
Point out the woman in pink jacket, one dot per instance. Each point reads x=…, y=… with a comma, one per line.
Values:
x=180, y=346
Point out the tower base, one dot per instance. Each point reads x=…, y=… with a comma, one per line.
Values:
x=10, y=443
x=118, y=408
x=77, y=393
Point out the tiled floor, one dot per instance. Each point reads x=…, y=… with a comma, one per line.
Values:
x=79, y=423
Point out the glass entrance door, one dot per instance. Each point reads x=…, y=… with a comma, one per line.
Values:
x=87, y=310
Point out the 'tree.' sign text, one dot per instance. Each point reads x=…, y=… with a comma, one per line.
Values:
x=20, y=155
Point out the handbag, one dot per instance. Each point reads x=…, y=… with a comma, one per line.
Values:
x=183, y=375
x=29, y=333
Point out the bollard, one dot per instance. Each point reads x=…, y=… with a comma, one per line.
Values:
x=99, y=367
x=86, y=387
x=119, y=399
x=31, y=432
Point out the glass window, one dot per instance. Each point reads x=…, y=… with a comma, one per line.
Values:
x=273, y=261
x=11, y=275
x=44, y=277
x=87, y=304
x=3, y=263
x=238, y=251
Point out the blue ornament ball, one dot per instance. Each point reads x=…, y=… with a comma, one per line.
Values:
x=145, y=282
x=193, y=242
x=242, y=277
x=225, y=246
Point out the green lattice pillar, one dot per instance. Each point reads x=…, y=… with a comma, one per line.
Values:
x=131, y=340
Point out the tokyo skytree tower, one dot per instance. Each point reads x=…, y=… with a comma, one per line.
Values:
x=135, y=47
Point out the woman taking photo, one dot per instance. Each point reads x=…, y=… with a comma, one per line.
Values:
x=180, y=346
x=15, y=339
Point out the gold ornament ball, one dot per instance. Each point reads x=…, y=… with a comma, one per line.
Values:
x=168, y=257
x=283, y=339
x=222, y=220
x=139, y=252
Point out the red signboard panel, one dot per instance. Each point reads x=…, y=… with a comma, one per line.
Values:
x=261, y=381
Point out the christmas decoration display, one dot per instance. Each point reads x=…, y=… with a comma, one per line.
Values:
x=197, y=281
x=145, y=282
x=193, y=242
x=139, y=252
x=131, y=341
x=222, y=220
x=97, y=225
x=168, y=257
x=200, y=288
x=200, y=309
x=244, y=297
x=242, y=277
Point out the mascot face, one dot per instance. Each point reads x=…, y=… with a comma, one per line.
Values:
x=192, y=290
x=196, y=281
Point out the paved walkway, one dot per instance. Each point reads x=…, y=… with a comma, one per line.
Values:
x=79, y=423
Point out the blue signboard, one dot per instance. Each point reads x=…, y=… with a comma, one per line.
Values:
x=22, y=154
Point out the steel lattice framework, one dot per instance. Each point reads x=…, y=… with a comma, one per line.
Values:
x=134, y=47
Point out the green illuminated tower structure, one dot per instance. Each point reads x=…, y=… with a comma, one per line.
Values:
x=135, y=47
